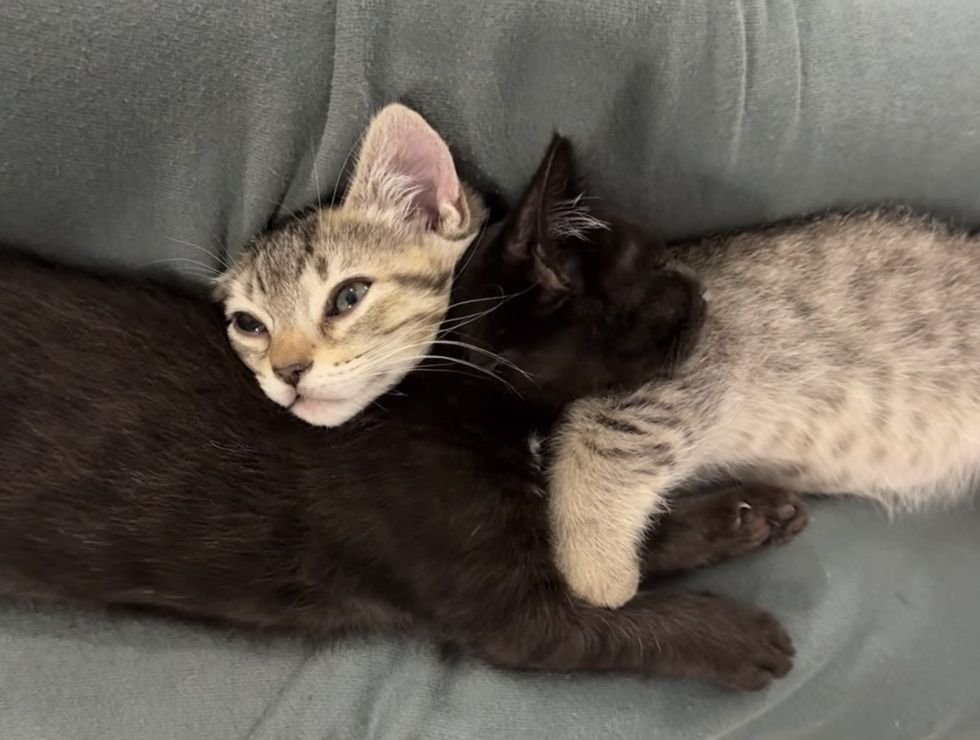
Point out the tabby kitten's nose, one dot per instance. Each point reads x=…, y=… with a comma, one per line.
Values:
x=291, y=374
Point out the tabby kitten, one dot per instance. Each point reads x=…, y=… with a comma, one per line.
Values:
x=838, y=355
x=332, y=309
x=143, y=467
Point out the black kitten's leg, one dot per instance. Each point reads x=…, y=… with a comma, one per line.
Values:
x=673, y=635
x=705, y=529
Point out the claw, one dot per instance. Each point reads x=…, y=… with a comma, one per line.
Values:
x=742, y=507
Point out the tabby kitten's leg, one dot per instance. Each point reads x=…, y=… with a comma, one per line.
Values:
x=671, y=635
x=709, y=528
x=614, y=463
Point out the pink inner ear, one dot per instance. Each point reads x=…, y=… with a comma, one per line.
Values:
x=407, y=148
x=426, y=161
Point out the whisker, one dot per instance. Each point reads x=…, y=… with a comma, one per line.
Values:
x=213, y=255
x=185, y=260
x=488, y=353
x=473, y=249
x=343, y=167
x=222, y=249
x=380, y=369
x=315, y=174
x=379, y=355
x=427, y=369
x=386, y=363
x=415, y=363
x=476, y=367
x=457, y=323
x=382, y=365
x=395, y=345
x=473, y=300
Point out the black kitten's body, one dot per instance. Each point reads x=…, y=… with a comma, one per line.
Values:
x=141, y=466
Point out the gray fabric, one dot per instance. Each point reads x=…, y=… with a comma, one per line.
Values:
x=131, y=130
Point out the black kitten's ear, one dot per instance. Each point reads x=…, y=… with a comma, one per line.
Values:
x=547, y=217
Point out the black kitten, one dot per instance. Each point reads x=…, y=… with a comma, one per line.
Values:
x=590, y=302
x=143, y=467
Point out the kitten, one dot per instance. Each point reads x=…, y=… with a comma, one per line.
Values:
x=837, y=355
x=331, y=309
x=598, y=281
x=143, y=468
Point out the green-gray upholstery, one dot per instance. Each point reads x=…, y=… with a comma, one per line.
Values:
x=131, y=131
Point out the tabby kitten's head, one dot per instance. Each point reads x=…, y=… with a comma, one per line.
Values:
x=332, y=309
x=590, y=303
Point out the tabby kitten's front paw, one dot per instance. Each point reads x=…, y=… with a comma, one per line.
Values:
x=600, y=580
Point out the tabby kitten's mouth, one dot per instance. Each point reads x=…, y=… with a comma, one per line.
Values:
x=332, y=402
x=313, y=402
x=326, y=412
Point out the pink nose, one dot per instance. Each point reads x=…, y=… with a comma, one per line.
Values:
x=290, y=374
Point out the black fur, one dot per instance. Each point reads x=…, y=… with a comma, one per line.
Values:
x=606, y=311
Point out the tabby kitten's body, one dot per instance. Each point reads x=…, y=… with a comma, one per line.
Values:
x=837, y=356
x=143, y=467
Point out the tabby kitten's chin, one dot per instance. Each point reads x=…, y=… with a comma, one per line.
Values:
x=330, y=409
x=333, y=308
x=327, y=412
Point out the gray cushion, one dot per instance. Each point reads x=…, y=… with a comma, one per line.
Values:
x=131, y=131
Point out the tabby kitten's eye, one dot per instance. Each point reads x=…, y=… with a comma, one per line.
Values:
x=347, y=296
x=247, y=324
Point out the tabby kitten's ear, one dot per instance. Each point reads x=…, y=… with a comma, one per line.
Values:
x=405, y=168
x=551, y=224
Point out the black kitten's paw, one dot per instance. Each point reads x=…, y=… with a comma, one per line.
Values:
x=738, y=648
x=766, y=516
x=761, y=653
x=702, y=530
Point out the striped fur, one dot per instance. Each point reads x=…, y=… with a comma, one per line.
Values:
x=838, y=356
x=401, y=228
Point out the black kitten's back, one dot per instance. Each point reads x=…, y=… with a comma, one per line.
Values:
x=124, y=407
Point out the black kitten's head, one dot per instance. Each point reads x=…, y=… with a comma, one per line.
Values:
x=587, y=303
